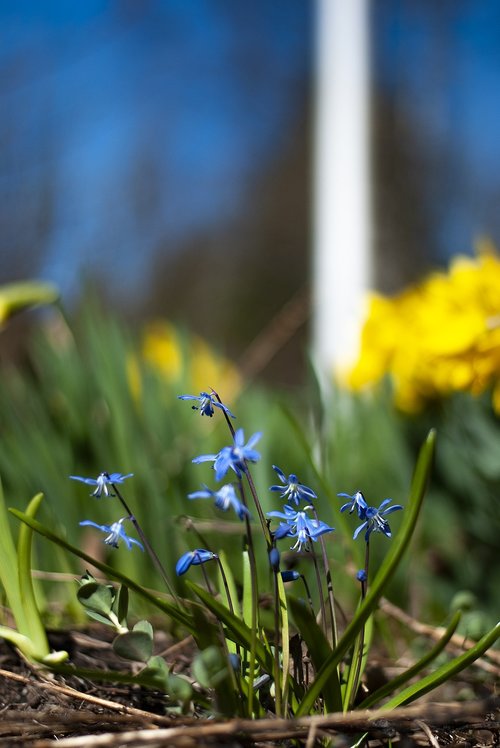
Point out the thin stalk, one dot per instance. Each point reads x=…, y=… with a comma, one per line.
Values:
x=147, y=545
x=262, y=519
x=308, y=593
x=251, y=485
x=277, y=680
x=209, y=588
x=225, y=648
x=329, y=587
x=255, y=600
x=228, y=420
x=228, y=595
x=361, y=639
x=320, y=590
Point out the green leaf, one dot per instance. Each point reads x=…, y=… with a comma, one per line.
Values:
x=398, y=546
x=319, y=649
x=144, y=626
x=179, y=689
x=17, y=296
x=236, y=628
x=181, y=616
x=156, y=673
x=445, y=672
x=9, y=574
x=210, y=667
x=412, y=671
x=120, y=604
x=136, y=645
x=97, y=598
x=36, y=630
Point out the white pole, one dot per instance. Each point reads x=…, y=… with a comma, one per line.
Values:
x=342, y=270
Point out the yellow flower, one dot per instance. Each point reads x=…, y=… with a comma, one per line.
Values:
x=438, y=336
x=162, y=349
x=188, y=359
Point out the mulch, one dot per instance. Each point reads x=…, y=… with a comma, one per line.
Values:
x=39, y=710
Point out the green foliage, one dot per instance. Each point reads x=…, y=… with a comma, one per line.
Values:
x=95, y=404
x=15, y=575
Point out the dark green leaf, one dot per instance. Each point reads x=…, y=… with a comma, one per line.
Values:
x=134, y=645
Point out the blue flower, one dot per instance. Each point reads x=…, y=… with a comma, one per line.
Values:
x=193, y=558
x=234, y=457
x=292, y=490
x=361, y=575
x=290, y=576
x=225, y=498
x=299, y=525
x=357, y=502
x=115, y=533
x=374, y=520
x=103, y=481
x=207, y=404
x=274, y=559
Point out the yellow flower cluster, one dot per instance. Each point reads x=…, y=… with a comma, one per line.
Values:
x=184, y=361
x=437, y=337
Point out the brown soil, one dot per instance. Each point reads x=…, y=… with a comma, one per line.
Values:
x=39, y=709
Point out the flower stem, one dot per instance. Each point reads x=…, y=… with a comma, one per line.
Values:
x=276, y=662
x=147, y=545
x=361, y=639
x=329, y=587
x=320, y=590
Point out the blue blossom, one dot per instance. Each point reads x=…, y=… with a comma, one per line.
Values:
x=274, y=559
x=193, y=558
x=115, y=533
x=234, y=457
x=357, y=502
x=207, y=404
x=292, y=490
x=290, y=576
x=299, y=525
x=103, y=481
x=374, y=520
x=225, y=498
x=361, y=575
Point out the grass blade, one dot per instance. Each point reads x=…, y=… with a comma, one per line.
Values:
x=387, y=569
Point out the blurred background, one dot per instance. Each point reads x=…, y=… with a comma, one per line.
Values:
x=163, y=158
x=164, y=152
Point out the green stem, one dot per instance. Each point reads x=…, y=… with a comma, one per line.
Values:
x=320, y=591
x=277, y=679
x=147, y=545
x=329, y=587
x=353, y=683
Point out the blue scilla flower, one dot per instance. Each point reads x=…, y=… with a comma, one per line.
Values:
x=292, y=490
x=374, y=520
x=115, y=533
x=290, y=576
x=234, y=457
x=193, y=558
x=357, y=502
x=103, y=481
x=207, y=404
x=299, y=525
x=225, y=498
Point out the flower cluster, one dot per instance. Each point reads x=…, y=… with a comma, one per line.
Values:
x=437, y=337
x=296, y=522
x=373, y=520
x=234, y=457
x=114, y=532
x=105, y=484
x=102, y=482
